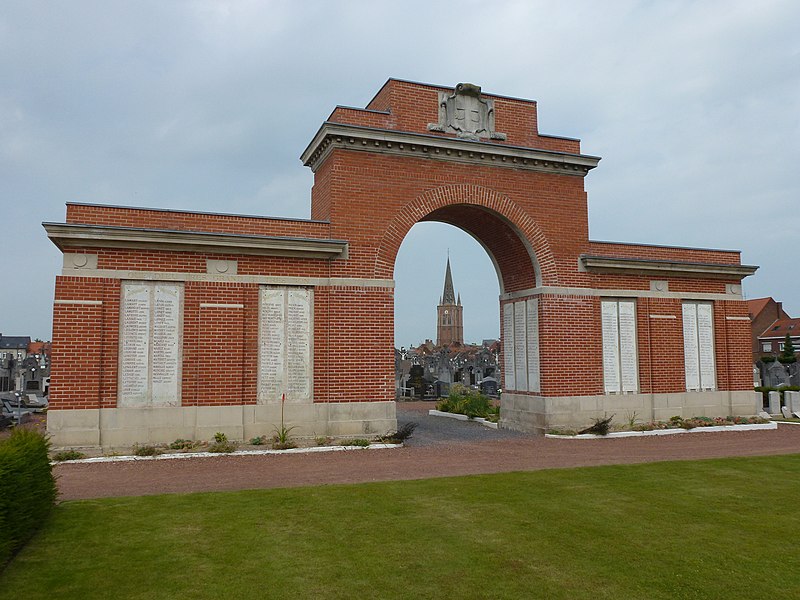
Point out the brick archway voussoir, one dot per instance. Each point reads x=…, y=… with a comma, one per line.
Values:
x=434, y=199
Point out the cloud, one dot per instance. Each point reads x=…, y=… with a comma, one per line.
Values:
x=207, y=105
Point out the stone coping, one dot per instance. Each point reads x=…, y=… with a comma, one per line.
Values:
x=622, y=434
x=438, y=413
x=132, y=458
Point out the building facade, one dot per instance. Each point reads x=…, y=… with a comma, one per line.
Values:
x=588, y=328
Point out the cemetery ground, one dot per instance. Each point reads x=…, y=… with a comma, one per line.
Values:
x=719, y=528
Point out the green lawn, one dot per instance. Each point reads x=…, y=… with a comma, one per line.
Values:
x=706, y=529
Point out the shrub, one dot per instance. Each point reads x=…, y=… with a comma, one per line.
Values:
x=787, y=357
x=27, y=489
x=146, y=450
x=401, y=435
x=221, y=444
x=466, y=401
x=361, y=442
x=68, y=455
x=599, y=427
x=181, y=444
x=322, y=440
x=258, y=441
x=557, y=431
x=768, y=359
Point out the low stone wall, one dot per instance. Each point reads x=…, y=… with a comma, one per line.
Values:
x=537, y=414
x=123, y=427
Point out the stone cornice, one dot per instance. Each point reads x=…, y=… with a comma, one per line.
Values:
x=385, y=141
x=636, y=266
x=69, y=235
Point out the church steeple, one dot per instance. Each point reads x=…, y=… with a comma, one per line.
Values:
x=449, y=295
x=449, y=325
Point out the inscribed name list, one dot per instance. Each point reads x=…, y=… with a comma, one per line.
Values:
x=509, y=381
x=285, y=344
x=134, y=345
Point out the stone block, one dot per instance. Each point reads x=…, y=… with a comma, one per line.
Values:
x=774, y=403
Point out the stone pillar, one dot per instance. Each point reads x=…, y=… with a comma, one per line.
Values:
x=774, y=403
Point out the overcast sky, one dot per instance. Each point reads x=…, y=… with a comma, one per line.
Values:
x=207, y=105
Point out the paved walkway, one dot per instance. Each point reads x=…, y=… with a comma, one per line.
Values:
x=439, y=448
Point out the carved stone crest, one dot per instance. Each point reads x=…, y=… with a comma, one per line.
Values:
x=466, y=114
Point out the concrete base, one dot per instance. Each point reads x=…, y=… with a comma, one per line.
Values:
x=123, y=427
x=537, y=414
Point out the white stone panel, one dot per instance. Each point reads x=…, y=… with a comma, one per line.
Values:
x=690, y=346
x=705, y=340
x=610, y=330
x=298, y=339
x=520, y=347
x=134, y=351
x=629, y=359
x=166, y=345
x=534, y=379
x=271, y=344
x=509, y=381
x=285, y=341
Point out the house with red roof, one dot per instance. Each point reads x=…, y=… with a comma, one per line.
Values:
x=770, y=324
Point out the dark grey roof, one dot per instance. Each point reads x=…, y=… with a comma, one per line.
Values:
x=14, y=341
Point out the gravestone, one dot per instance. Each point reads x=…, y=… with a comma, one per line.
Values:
x=787, y=414
x=792, y=400
x=776, y=375
x=764, y=415
x=774, y=403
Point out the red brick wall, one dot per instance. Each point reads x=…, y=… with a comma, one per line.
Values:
x=88, y=214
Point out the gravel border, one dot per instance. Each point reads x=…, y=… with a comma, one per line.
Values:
x=166, y=456
x=621, y=434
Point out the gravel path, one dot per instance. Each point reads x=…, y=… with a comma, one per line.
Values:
x=439, y=448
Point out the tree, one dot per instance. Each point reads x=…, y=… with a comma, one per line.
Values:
x=788, y=355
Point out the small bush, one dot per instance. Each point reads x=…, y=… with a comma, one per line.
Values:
x=27, y=489
x=322, y=440
x=557, y=431
x=181, y=444
x=402, y=434
x=599, y=427
x=146, y=450
x=221, y=444
x=466, y=401
x=68, y=455
x=258, y=441
x=361, y=442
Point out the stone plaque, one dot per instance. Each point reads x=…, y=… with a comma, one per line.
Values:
x=285, y=344
x=534, y=380
x=705, y=342
x=520, y=347
x=298, y=362
x=271, y=347
x=629, y=360
x=166, y=349
x=509, y=381
x=150, y=345
x=610, y=331
x=134, y=355
x=690, y=350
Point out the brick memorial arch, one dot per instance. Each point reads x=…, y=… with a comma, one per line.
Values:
x=171, y=324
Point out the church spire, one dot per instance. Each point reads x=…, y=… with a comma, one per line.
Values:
x=449, y=295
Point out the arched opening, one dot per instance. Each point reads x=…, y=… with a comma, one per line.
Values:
x=429, y=369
